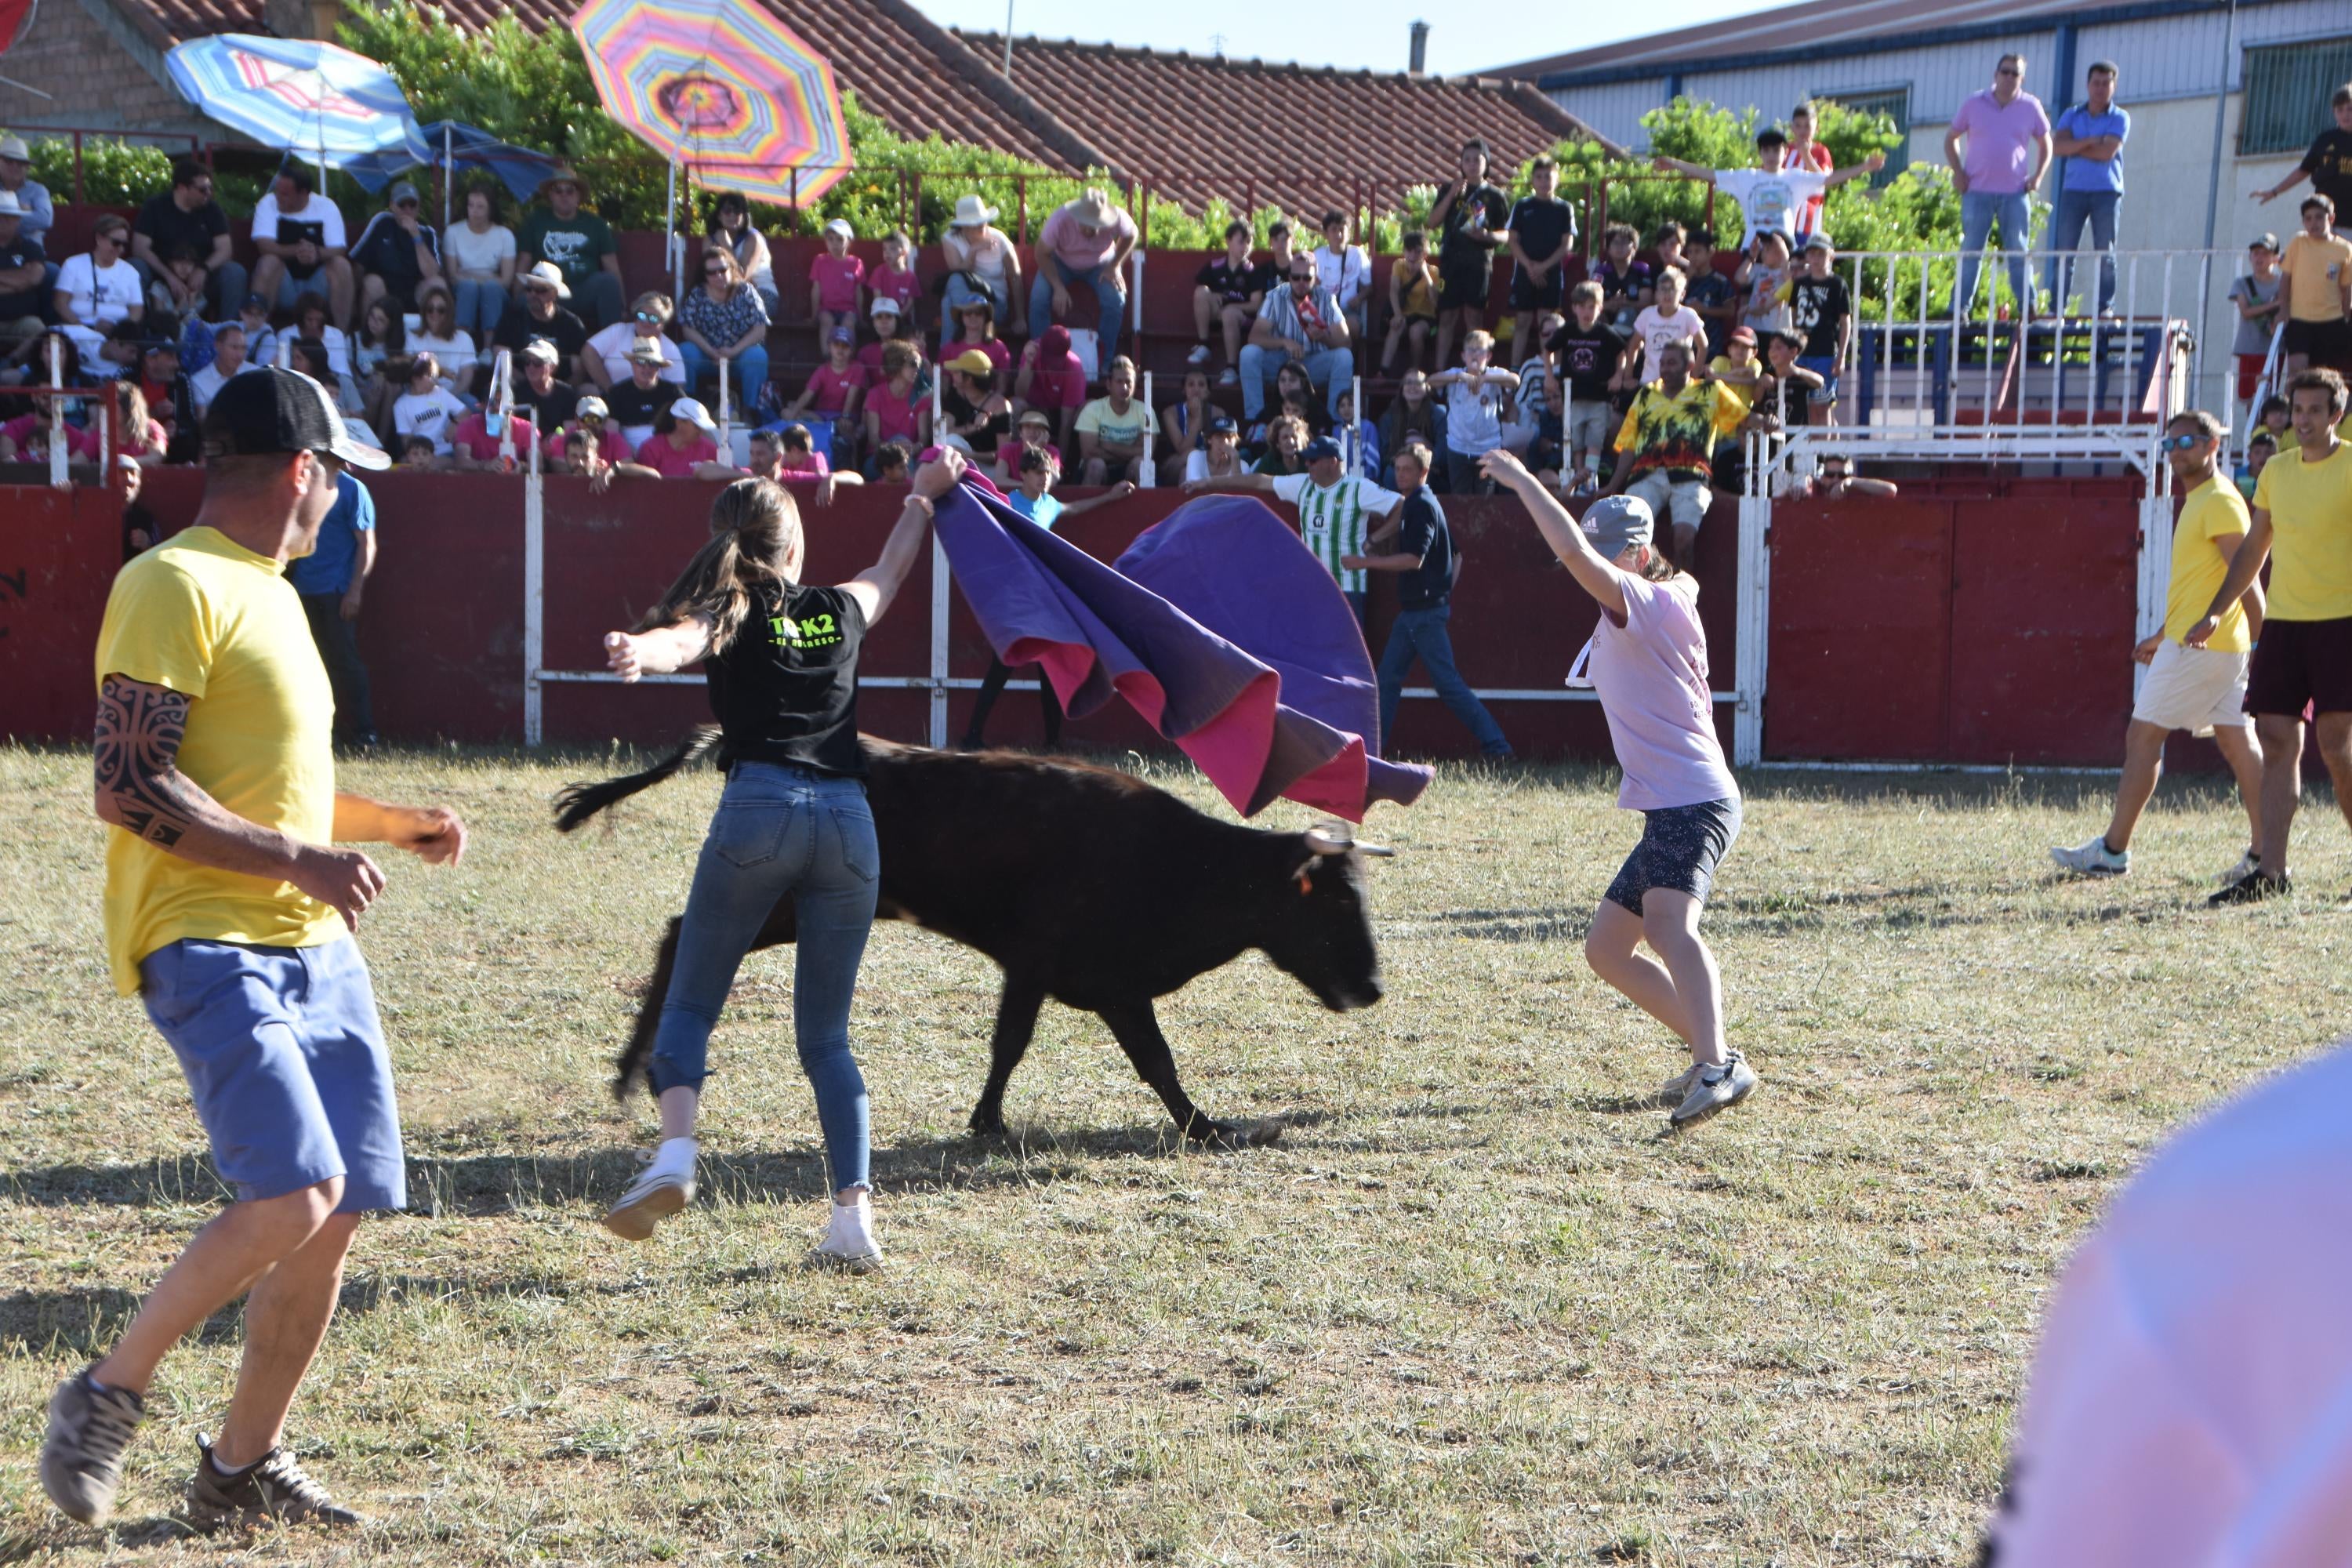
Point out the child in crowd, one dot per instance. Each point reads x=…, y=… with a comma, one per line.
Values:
x=2277, y=416
x=1413, y=302
x=427, y=408
x=1412, y=417
x=1789, y=393
x=834, y=390
x=1367, y=438
x=1051, y=378
x=1625, y=283
x=1586, y=361
x=2260, y=450
x=2256, y=294
x=260, y=337
x=179, y=261
x=1822, y=310
x=1343, y=269
x=416, y=452
x=1666, y=244
x=1763, y=281
x=1219, y=454
x=894, y=278
x=1183, y=426
x=1667, y=320
x=890, y=463
x=892, y=324
x=1710, y=292
x=1736, y=366
x=1032, y=431
x=2317, y=267
x=835, y=280
x=975, y=328
x=1477, y=395
x=896, y=410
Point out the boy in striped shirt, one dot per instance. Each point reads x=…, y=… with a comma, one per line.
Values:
x=1339, y=514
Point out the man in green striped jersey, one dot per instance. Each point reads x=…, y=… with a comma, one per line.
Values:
x=1339, y=514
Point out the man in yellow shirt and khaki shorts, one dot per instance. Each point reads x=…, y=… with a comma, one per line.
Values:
x=229, y=912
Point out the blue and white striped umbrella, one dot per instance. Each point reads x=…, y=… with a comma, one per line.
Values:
x=320, y=102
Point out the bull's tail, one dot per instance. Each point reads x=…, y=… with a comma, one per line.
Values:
x=630, y=1066
x=577, y=803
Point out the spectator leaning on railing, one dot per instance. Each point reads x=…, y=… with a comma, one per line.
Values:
x=2008, y=136
x=187, y=214
x=2090, y=136
x=1086, y=241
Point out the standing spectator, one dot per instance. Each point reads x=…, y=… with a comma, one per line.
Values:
x=332, y=582
x=1625, y=283
x=2090, y=137
x=1667, y=444
x=681, y=441
x=1053, y=379
x=300, y=237
x=1773, y=197
x=438, y=334
x=478, y=256
x=397, y=253
x=541, y=396
x=1821, y=308
x=1228, y=289
x=1667, y=320
x=1477, y=394
x=725, y=321
x=1710, y=293
x=730, y=226
x=32, y=197
x=1424, y=555
x=1804, y=152
x=1413, y=302
x=228, y=359
x=832, y=395
x=1787, y=391
x=1112, y=430
x=1471, y=215
x=606, y=362
x=835, y=280
x=2200, y=689
x=1344, y=270
x=1339, y=513
x=984, y=265
x=1302, y=322
x=1543, y=232
x=1087, y=242
x=2258, y=295
x=2329, y=164
x=2007, y=137
x=186, y=215
x=579, y=245
x=539, y=312
x=896, y=279
x=1412, y=415
x=427, y=408
x=1763, y=284
x=96, y=289
x=895, y=409
x=2318, y=268
x=2301, y=516
x=24, y=280
x=635, y=402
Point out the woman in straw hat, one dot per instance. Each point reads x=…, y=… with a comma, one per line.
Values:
x=986, y=267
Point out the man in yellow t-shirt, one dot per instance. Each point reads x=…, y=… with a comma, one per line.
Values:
x=2319, y=268
x=228, y=912
x=2303, y=524
x=2200, y=689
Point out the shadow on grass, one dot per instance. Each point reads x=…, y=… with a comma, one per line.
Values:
x=80, y=1320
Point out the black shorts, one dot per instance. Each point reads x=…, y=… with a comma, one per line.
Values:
x=2328, y=342
x=1543, y=293
x=2301, y=661
x=1463, y=284
x=1680, y=848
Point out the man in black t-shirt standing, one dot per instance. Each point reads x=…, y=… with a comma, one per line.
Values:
x=1822, y=313
x=1423, y=554
x=2329, y=164
x=1582, y=358
x=1543, y=230
x=187, y=214
x=1473, y=220
x=1229, y=288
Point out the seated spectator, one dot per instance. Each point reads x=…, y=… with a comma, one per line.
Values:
x=1032, y=431
x=186, y=218
x=1709, y=293
x=985, y=265
x=170, y=400
x=730, y=226
x=310, y=322
x=1787, y=394
x=1363, y=433
x=117, y=352
x=890, y=463
x=1586, y=360
x=1477, y=395
x=832, y=392
x=976, y=328
x=637, y=401
x=99, y=288
x=418, y=452
x=438, y=334
x=1343, y=269
x=228, y=359
x=539, y=313
x=1300, y=321
x=1543, y=233
x=473, y=444
x=580, y=452
x=1051, y=378
x=1228, y=290
x=1667, y=242
x=891, y=326
x=1295, y=395
x=32, y=197
x=1413, y=302
x=1219, y=455
x=2256, y=295
x=1412, y=417
x=592, y=422
x=379, y=363
x=835, y=281
x=2317, y=267
x=894, y=278
x=1286, y=446
x=606, y=362
x=428, y=408
x=580, y=246
x=1184, y=425
x=260, y=337
x=1667, y=320
x=972, y=407
x=398, y=253
x=1625, y=283
x=180, y=276
x=1085, y=242
x=540, y=395
x=1737, y=367
x=681, y=439
x=1667, y=444
x=1763, y=284
x=300, y=235
x=1112, y=428
x=309, y=356
x=478, y=265
x=24, y=278
x=724, y=323
x=1278, y=253
x=896, y=410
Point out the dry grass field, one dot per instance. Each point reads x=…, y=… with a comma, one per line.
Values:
x=1474, y=1307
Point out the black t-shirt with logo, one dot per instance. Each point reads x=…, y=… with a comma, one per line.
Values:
x=1817, y=307
x=1586, y=360
x=785, y=691
x=1542, y=225
x=1235, y=285
x=1481, y=209
x=166, y=226
x=2329, y=164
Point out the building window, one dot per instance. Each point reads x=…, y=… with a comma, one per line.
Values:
x=2286, y=93
x=1896, y=104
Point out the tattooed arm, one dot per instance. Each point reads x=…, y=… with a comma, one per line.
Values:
x=141, y=791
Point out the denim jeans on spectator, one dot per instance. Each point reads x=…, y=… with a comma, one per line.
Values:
x=479, y=305
x=598, y=301
x=2075, y=208
x=1109, y=291
x=782, y=832
x=338, y=650
x=1463, y=475
x=1424, y=633
x=1978, y=214
x=1332, y=370
x=961, y=288
x=745, y=375
x=225, y=288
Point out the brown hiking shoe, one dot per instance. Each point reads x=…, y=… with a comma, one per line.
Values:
x=274, y=1489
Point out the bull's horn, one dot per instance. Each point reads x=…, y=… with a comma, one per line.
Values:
x=1338, y=838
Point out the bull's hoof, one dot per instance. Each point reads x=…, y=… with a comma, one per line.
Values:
x=1210, y=1133
x=986, y=1126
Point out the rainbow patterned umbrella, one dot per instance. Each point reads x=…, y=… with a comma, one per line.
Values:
x=723, y=87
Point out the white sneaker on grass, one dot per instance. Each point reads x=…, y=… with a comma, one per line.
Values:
x=2248, y=864
x=848, y=1244
x=2094, y=858
x=1677, y=1088
x=663, y=1188
x=1717, y=1087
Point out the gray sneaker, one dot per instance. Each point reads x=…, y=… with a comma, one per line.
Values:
x=1671, y=1091
x=2094, y=858
x=1717, y=1087
x=274, y=1489
x=81, y=1455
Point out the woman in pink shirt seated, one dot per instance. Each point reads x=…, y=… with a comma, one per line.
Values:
x=1649, y=669
x=681, y=438
x=895, y=410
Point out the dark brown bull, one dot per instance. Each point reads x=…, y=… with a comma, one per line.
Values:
x=1084, y=885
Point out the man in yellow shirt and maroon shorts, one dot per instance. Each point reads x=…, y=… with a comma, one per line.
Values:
x=228, y=912
x=2303, y=524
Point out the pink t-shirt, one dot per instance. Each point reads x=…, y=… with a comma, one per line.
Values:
x=998, y=353
x=1062, y=386
x=1998, y=158
x=1073, y=249
x=869, y=358
x=669, y=462
x=1650, y=674
x=78, y=443
x=837, y=279
x=613, y=447
x=472, y=437
x=805, y=469
x=893, y=283
x=894, y=417
x=830, y=388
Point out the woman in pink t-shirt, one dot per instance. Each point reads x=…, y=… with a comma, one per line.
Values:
x=1649, y=669
x=681, y=439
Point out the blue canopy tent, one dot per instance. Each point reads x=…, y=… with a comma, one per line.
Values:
x=453, y=144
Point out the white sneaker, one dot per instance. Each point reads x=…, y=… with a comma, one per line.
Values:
x=2248, y=864
x=1717, y=1087
x=1229, y=376
x=849, y=1243
x=1200, y=355
x=1674, y=1089
x=2094, y=858
x=664, y=1187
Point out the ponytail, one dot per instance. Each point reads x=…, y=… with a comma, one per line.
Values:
x=755, y=536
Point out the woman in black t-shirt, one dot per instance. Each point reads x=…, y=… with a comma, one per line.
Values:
x=781, y=661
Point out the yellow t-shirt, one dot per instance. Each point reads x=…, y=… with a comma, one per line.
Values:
x=2315, y=270
x=204, y=616
x=2214, y=511
x=2311, y=534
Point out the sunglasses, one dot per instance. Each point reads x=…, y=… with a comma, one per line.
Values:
x=649, y=317
x=2182, y=443
x=714, y=272
x=110, y=239
x=1302, y=278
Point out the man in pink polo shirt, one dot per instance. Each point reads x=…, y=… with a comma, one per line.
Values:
x=1084, y=242
x=2007, y=137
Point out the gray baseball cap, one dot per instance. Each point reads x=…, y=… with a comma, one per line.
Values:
x=1616, y=523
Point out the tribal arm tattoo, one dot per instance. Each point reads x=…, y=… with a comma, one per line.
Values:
x=140, y=789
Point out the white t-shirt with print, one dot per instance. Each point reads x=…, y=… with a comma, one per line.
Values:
x=432, y=415
x=1770, y=201
x=1657, y=331
x=613, y=345
x=318, y=210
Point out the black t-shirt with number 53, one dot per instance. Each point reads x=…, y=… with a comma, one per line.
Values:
x=785, y=691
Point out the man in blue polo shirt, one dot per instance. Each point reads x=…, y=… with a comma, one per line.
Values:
x=1424, y=553
x=2090, y=136
x=330, y=581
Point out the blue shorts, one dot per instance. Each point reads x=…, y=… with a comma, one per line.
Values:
x=286, y=1060
x=1826, y=367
